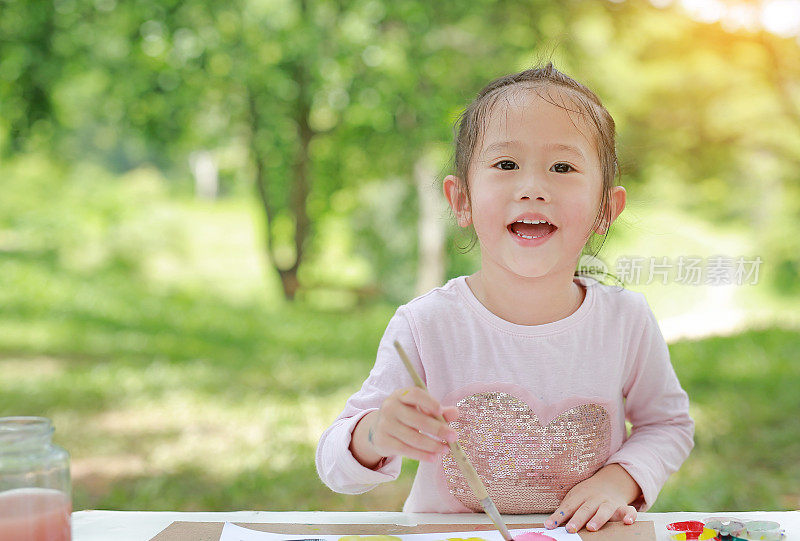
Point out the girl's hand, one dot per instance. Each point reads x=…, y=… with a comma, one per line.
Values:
x=600, y=498
x=406, y=425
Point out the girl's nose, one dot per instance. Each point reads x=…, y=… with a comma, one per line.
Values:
x=532, y=188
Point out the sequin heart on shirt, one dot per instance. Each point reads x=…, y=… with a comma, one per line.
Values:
x=527, y=467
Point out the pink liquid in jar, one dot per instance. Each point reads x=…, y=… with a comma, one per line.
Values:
x=34, y=514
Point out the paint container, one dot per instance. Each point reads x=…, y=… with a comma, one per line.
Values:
x=690, y=529
x=762, y=530
x=726, y=526
x=35, y=497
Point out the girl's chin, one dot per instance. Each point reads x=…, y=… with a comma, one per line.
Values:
x=527, y=270
x=531, y=275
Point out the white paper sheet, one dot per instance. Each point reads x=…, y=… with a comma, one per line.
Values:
x=231, y=532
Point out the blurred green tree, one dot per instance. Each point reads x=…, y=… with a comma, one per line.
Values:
x=334, y=113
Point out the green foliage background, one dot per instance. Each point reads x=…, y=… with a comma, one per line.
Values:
x=151, y=327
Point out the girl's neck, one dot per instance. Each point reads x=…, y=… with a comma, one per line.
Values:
x=527, y=301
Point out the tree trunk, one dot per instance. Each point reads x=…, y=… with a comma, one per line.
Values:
x=206, y=174
x=301, y=183
x=299, y=191
x=431, y=230
x=301, y=187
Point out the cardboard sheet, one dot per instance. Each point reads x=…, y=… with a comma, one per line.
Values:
x=210, y=531
x=232, y=532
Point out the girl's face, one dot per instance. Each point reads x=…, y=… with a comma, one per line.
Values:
x=532, y=160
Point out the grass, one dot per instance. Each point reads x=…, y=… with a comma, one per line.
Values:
x=201, y=391
x=179, y=401
x=743, y=392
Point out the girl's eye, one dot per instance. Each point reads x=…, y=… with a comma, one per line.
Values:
x=564, y=164
x=513, y=165
x=508, y=165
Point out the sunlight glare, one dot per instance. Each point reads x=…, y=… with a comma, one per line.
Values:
x=741, y=16
x=780, y=17
x=706, y=11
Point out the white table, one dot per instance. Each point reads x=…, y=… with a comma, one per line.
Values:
x=143, y=525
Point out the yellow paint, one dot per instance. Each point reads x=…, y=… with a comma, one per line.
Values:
x=708, y=533
x=466, y=539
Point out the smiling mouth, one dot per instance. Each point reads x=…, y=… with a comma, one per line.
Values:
x=531, y=231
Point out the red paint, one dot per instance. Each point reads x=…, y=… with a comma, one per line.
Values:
x=533, y=536
x=692, y=528
x=687, y=526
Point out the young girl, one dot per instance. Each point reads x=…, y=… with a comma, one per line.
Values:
x=534, y=367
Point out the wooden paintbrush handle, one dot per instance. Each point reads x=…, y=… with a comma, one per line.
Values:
x=464, y=464
x=462, y=461
x=470, y=474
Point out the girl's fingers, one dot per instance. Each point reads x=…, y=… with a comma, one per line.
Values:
x=625, y=513
x=581, y=516
x=561, y=514
x=599, y=516
x=565, y=510
x=417, y=420
x=421, y=399
x=415, y=439
x=408, y=418
x=450, y=414
x=401, y=448
x=603, y=514
x=555, y=519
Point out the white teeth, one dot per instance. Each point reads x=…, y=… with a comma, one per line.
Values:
x=527, y=237
x=533, y=221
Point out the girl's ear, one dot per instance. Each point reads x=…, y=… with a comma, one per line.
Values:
x=617, y=205
x=459, y=202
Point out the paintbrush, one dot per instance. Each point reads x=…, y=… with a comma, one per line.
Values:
x=463, y=462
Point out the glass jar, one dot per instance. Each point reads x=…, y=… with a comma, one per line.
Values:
x=35, y=498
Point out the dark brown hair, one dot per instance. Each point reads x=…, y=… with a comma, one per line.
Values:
x=471, y=126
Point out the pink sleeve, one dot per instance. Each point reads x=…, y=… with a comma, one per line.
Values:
x=662, y=433
x=336, y=465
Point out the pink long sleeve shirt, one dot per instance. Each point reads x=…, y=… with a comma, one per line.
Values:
x=541, y=407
